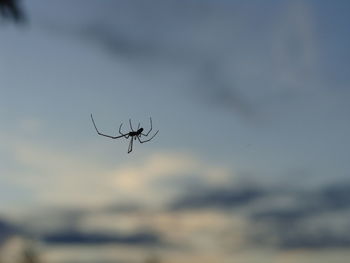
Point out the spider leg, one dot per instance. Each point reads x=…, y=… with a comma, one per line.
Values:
x=138, y=126
x=109, y=136
x=120, y=131
x=150, y=120
x=130, y=125
x=148, y=139
x=130, y=145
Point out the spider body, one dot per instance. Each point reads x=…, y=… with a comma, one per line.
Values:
x=134, y=135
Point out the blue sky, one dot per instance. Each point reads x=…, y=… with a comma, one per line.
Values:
x=242, y=93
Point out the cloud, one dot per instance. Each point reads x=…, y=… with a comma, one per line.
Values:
x=7, y=230
x=198, y=43
x=76, y=237
x=164, y=175
x=52, y=176
x=55, y=176
x=315, y=220
x=334, y=198
x=217, y=87
x=190, y=195
x=253, y=65
x=281, y=220
x=223, y=198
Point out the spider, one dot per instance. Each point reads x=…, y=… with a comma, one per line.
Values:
x=133, y=134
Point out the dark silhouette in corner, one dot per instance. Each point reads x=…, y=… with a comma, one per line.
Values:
x=11, y=9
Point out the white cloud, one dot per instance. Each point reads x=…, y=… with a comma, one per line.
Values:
x=57, y=177
x=154, y=179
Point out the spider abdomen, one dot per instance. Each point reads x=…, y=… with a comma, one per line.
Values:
x=133, y=133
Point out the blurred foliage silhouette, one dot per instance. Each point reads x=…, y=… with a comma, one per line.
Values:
x=153, y=259
x=30, y=255
x=11, y=9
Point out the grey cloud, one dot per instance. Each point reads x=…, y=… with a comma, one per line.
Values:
x=122, y=208
x=331, y=198
x=199, y=42
x=317, y=220
x=287, y=218
x=114, y=42
x=326, y=238
x=77, y=237
x=216, y=86
x=283, y=217
x=223, y=198
x=7, y=230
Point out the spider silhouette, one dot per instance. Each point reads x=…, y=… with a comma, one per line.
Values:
x=132, y=134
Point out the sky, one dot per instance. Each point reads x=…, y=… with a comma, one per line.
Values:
x=251, y=103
